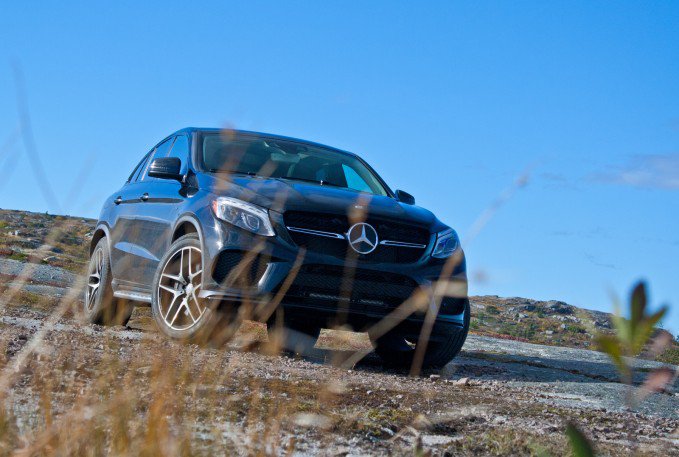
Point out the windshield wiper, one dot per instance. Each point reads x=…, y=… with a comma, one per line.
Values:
x=232, y=172
x=321, y=182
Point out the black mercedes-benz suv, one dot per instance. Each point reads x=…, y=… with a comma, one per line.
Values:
x=215, y=226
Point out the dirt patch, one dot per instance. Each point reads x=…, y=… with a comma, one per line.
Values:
x=121, y=388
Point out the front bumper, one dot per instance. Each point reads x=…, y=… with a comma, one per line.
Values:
x=314, y=287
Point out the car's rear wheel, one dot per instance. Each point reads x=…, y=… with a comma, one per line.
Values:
x=176, y=304
x=100, y=306
x=396, y=349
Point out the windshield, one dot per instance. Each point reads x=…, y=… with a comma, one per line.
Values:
x=287, y=160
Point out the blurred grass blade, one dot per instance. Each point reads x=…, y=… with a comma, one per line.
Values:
x=657, y=381
x=580, y=445
x=660, y=343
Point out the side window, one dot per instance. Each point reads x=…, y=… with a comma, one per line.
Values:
x=354, y=181
x=140, y=166
x=161, y=151
x=181, y=151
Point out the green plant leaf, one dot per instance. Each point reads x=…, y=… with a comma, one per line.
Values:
x=657, y=317
x=580, y=445
x=644, y=331
x=622, y=328
x=638, y=304
x=612, y=346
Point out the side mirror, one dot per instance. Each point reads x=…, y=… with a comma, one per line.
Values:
x=166, y=168
x=405, y=197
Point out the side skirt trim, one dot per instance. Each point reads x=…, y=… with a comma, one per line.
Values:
x=136, y=296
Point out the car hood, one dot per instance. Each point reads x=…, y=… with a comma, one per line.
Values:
x=283, y=195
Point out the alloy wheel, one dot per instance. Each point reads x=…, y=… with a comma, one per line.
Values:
x=178, y=301
x=94, y=278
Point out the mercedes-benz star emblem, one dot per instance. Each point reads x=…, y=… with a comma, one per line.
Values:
x=362, y=238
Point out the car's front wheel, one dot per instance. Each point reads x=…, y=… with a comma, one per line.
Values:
x=176, y=304
x=100, y=306
x=396, y=349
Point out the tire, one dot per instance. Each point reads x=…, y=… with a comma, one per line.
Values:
x=100, y=306
x=295, y=336
x=398, y=351
x=175, y=305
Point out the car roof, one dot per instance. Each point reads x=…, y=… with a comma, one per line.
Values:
x=190, y=130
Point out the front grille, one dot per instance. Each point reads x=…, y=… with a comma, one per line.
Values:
x=400, y=232
x=326, y=285
x=386, y=230
x=317, y=221
x=249, y=268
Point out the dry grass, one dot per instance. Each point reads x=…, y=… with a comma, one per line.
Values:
x=89, y=391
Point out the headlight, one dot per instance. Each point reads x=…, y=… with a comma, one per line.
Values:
x=244, y=215
x=446, y=243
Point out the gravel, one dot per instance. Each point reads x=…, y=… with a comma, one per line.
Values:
x=38, y=273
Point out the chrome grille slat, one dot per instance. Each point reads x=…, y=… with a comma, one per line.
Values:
x=403, y=244
x=328, y=234
x=339, y=236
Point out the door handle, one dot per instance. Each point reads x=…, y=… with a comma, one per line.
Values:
x=144, y=196
x=118, y=200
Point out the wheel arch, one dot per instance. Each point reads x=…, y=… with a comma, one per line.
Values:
x=100, y=232
x=186, y=224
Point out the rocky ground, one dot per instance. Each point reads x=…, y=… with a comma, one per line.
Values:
x=61, y=241
x=72, y=388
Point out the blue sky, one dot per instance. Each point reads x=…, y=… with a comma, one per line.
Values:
x=452, y=102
